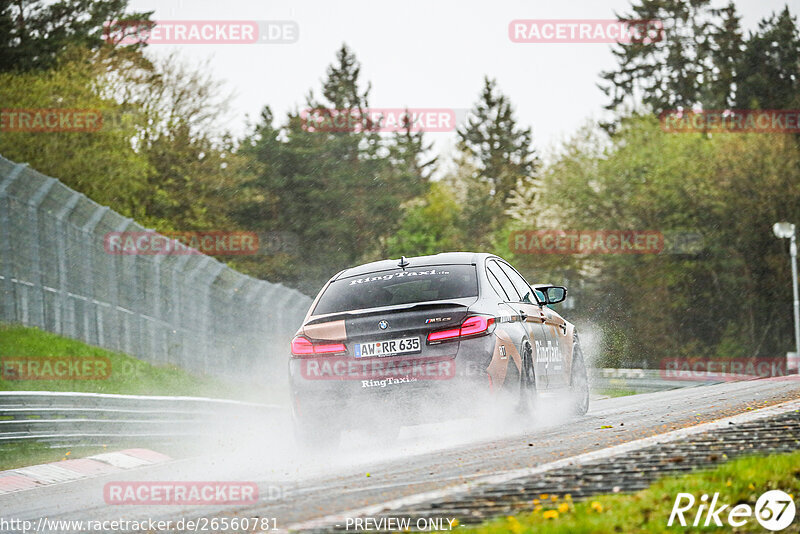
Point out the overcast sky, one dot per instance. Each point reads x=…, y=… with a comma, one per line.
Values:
x=417, y=53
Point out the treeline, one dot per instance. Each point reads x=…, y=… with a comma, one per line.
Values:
x=357, y=195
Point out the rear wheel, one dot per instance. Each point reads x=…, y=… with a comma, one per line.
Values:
x=579, y=380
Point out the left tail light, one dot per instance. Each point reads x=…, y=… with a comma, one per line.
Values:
x=302, y=346
x=472, y=326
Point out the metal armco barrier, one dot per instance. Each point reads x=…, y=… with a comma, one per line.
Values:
x=91, y=418
x=649, y=380
x=186, y=310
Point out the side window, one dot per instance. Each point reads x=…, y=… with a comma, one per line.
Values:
x=497, y=276
x=520, y=284
x=495, y=283
x=540, y=295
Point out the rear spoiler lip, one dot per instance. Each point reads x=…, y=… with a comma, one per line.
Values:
x=464, y=302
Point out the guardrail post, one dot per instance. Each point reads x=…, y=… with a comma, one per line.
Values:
x=8, y=294
x=38, y=309
x=179, y=299
x=65, y=311
x=120, y=340
x=89, y=262
x=239, y=348
x=157, y=334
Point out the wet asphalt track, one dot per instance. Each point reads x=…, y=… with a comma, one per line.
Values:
x=295, y=487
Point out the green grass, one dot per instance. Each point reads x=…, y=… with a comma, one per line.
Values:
x=616, y=392
x=22, y=453
x=25, y=453
x=127, y=375
x=739, y=481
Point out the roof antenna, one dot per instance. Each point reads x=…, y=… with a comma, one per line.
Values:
x=404, y=262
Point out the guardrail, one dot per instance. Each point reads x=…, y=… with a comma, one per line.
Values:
x=93, y=418
x=70, y=419
x=650, y=380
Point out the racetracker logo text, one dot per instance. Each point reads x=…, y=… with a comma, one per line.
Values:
x=731, y=121
x=56, y=368
x=201, y=32
x=378, y=372
x=379, y=120
x=180, y=493
x=585, y=31
x=50, y=120
x=586, y=242
x=721, y=369
x=213, y=243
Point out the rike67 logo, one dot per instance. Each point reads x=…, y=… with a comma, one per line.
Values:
x=774, y=510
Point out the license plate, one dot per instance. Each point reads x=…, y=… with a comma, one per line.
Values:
x=387, y=348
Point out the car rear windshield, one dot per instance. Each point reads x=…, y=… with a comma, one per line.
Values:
x=388, y=288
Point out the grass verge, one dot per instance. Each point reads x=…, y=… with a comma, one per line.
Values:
x=109, y=372
x=739, y=481
x=22, y=453
x=125, y=374
x=617, y=392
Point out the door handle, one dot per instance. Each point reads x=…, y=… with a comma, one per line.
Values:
x=523, y=316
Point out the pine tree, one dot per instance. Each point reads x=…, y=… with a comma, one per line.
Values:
x=340, y=190
x=718, y=91
x=500, y=154
x=769, y=70
x=33, y=33
x=676, y=70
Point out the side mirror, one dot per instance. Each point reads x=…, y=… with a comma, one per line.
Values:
x=554, y=294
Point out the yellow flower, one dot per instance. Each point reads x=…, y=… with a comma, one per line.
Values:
x=751, y=486
x=455, y=522
x=537, y=509
x=563, y=508
x=535, y=501
x=597, y=507
x=729, y=483
x=568, y=497
x=550, y=514
x=543, y=496
x=513, y=525
x=554, y=498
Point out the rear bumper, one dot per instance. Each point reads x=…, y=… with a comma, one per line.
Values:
x=351, y=392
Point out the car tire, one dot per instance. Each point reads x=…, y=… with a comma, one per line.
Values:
x=579, y=380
